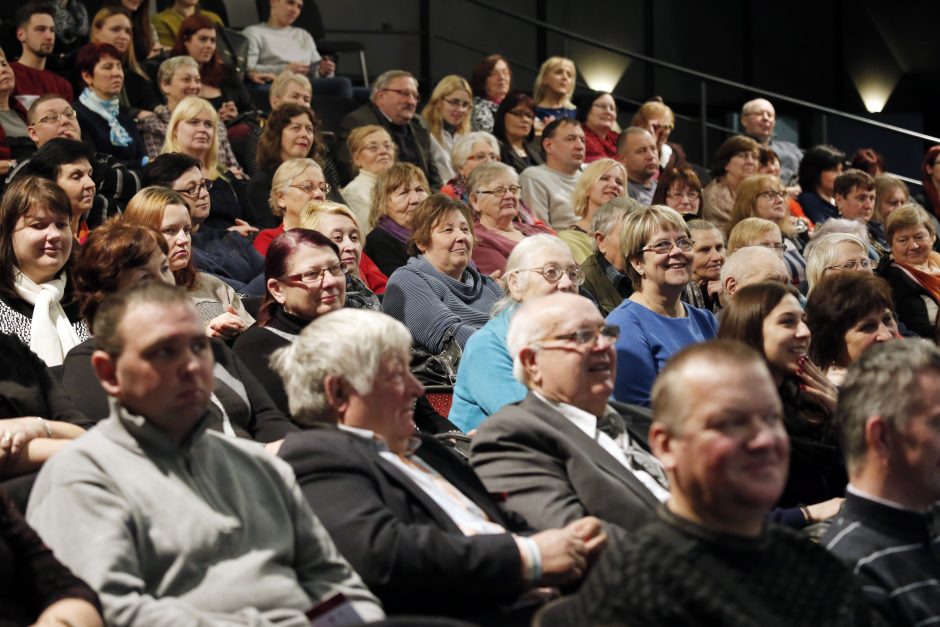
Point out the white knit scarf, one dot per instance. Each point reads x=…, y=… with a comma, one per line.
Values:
x=51, y=335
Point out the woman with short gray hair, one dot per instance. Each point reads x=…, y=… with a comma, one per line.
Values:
x=538, y=265
x=835, y=252
x=469, y=151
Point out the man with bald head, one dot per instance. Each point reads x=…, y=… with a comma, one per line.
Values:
x=758, y=119
x=751, y=264
x=563, y=452
x=710, y=557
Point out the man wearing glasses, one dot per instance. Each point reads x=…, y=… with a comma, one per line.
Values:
x=758, y=119
x=563, y=452
x=393, y=107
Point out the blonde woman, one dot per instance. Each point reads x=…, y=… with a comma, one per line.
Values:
x=339, y=225
x=603, y=180
x=296, y=182
x=193, y=130
x=448, y=116
x=554, y=87
x=373, y=152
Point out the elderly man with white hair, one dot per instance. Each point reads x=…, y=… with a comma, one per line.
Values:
x=411, y=518
x=562, y=452
x=751, y=264
x=758, y=119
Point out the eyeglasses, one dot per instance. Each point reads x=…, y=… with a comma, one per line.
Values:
x=484, y=156
x=664, y=247
x=456, y=102
x=656, y=126
x=693, y=196
x=553, y=273
x=389, y=146
x=500, y=191
x=854, y=264
x=404, y=93
x=522, y=113
x=606, y=333
x=52, y=118
x=770, y=194
x=777, y=247
x=196, y=188
x=315, y=277
x=308, y=187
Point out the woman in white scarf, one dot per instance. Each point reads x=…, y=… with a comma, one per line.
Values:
x=35, y=247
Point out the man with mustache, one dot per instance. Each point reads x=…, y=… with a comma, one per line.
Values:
x=563, y=452
x=547, y=188
x=35, y=29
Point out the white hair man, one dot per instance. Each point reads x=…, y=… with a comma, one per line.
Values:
x=758, y=119
x=887, y=415
x=409, y=515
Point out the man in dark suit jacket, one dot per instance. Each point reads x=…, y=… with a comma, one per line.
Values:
x=548, y=453
x=394, y=107
x=413, y=519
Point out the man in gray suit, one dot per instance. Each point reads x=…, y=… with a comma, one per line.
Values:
x=394, y=107
x=563, y=452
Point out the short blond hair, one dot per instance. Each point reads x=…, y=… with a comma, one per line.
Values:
x=432, y=111
x=283, y=81
x=747, y=230
x=312, y=212
x=639, y=226
x=906, y=217
x=745, y=202
x=284, y=176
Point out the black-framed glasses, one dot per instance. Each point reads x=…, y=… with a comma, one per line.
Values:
x=552, y=273
x=404, y=93
x=522, y=113
x=195, y=189
x=54, y=117
x=500, y=191
x=456, y=102
x=308, y=187
x=606, y=333
x=853, y=264
x=315, y=277
x=771, y=194
x=665, y=246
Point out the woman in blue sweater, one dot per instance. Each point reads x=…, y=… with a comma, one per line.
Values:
x=654, y=323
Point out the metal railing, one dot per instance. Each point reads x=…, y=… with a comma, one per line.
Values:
x=704, y=80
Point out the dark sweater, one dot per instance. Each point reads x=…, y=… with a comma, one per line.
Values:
x=95, y=131
x=386, y=250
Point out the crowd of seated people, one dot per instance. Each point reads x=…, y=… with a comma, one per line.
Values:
x=495, y=362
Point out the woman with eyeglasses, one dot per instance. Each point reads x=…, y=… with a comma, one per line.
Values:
x=769, y=317
x=597, y=114
x=735, y=160
x=657, y=117
x=447, y=115
x=193, y=130
x=540, y=265
x=305, y=279
x=833, y=253
x=514, y=129
x=600, y=182
x=439, y=295
x=290, y=133
x=295, y=183
x=680, y=189
x=499, y=220
x=848, y=312
x=167, y=212
x=654, y=322
x=491, y=79
x=469, y=151
x=913, y=269
x=372, y=152
x=763, y=196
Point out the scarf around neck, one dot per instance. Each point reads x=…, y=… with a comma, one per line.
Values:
x=51, y=332
x=108, y=109
x=401, y=233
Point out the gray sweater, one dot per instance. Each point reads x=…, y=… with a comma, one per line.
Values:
x=547, y=194
x=216, y=532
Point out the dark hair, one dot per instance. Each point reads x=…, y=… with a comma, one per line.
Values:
x=850, y=179
x=166, y=168
x=427, y=214
x=213, y=72
x=512, y=100
x=112, y=309
x=743, y=318
x=19, y=197
x=90, y=55
x=766, y=156
x=143, y=31
x=815, y=161
x=110, y=249
x=482, y=70
x=684, y=177
x=836, y=304
x=269, y=144
x=734, y=145
x=930, y=190
x=280, y=251
x=54, y=154
x=586, y=102
x=867, y=160
x=28, y=10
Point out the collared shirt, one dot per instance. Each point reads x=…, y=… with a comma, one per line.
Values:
x=587, y=422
